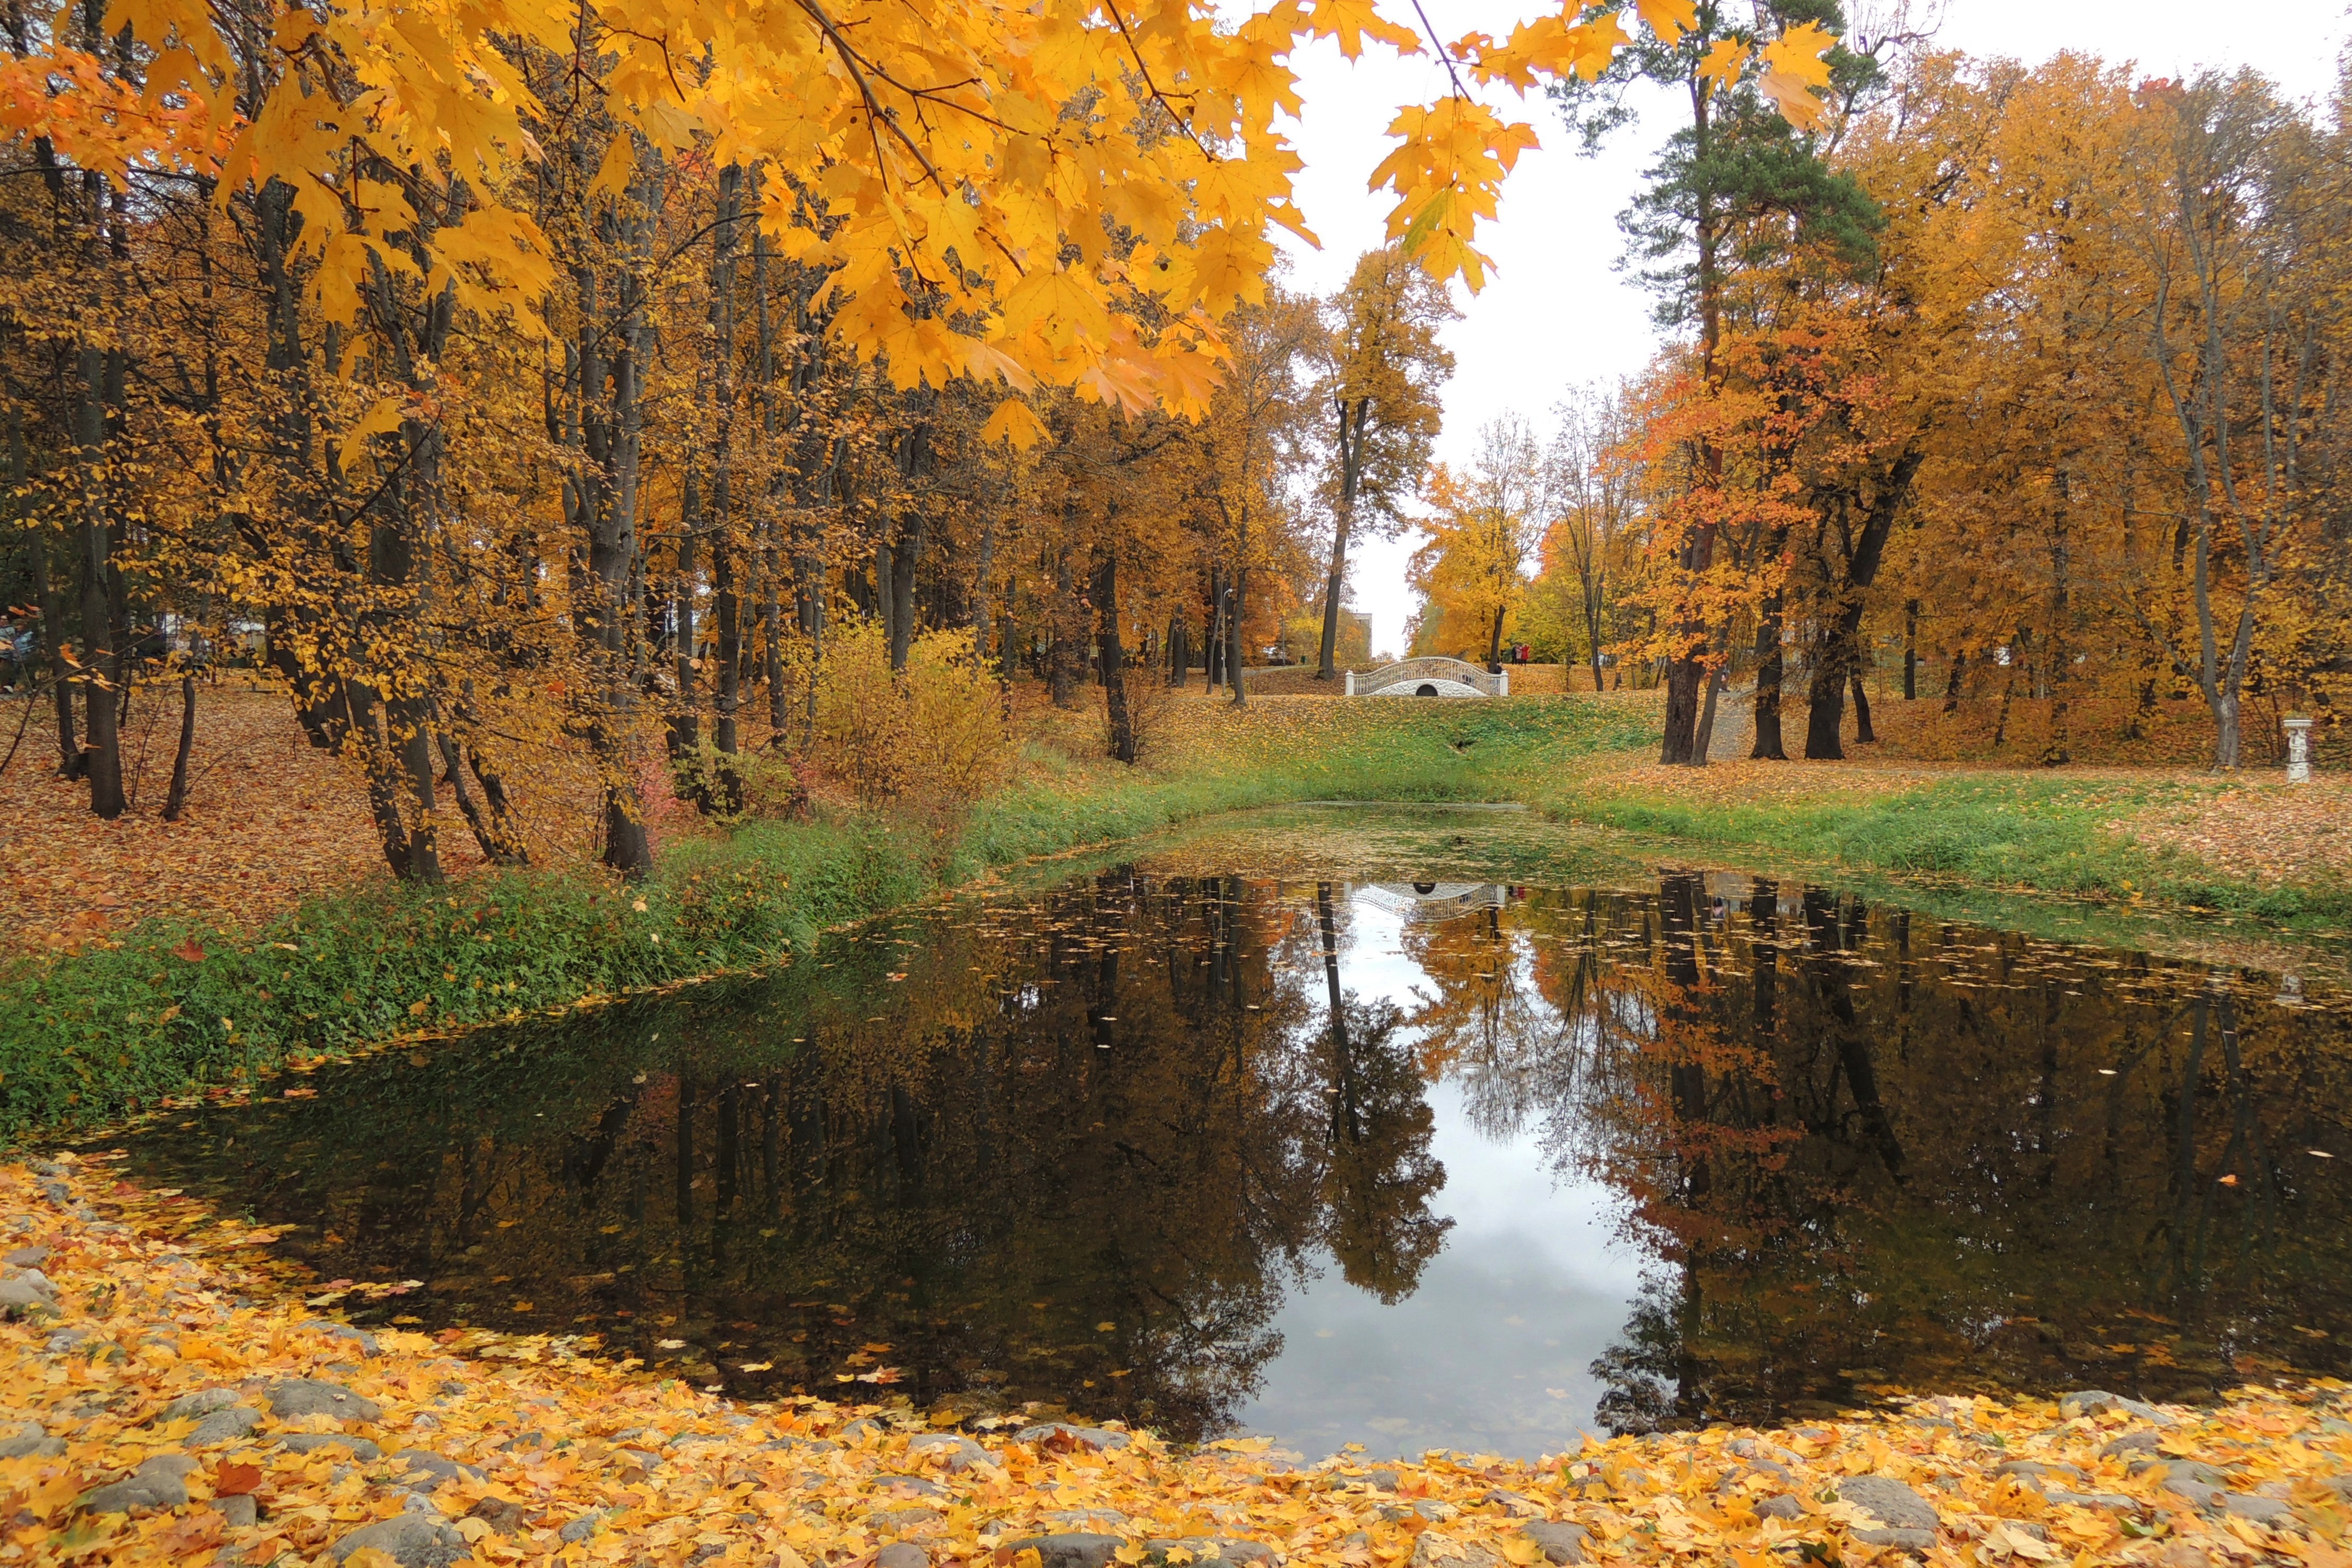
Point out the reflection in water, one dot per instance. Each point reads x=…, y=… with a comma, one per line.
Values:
x=1081, y=1149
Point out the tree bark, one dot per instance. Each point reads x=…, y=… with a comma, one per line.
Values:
x=1235, y=661
x=175, y=799
x=726, y=589
x=53, y=620
x=1769, y=745
x=103, y=664
x=1114, y=657
x=685, y=727
x=1062, y=654
x=1864, y=735
x=1702, y=732
x=613, y=429
x=1351, y=465
x=1911, y=650
x=1685, y=670
x=2055, y=752
x=1838, y=655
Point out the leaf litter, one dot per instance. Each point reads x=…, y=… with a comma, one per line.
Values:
x=172, y=1398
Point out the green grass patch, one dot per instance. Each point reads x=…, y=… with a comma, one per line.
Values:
x=2048, y=834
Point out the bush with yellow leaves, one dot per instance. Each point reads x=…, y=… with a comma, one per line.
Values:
x=931, y=736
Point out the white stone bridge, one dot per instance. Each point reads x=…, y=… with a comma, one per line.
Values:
x=1432, y=677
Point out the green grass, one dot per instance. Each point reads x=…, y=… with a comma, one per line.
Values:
x=167, y=1008
x=2047, y=834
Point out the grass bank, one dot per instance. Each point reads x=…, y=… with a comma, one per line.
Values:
x=2045, y=834
x=169, y=1007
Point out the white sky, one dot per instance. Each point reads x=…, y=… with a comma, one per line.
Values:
x=1556, y=311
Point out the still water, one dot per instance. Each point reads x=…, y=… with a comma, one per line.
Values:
x=1407, y=1164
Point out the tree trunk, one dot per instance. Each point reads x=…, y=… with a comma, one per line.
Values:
x=1685, y=672
x=1351, y=462
x=613, y=431
x=726, y=589
x=53, y=641
x=1769, y=745
x=1911, y=650
x=1235, y=661
x=1838, y=654
x=2054, y=748
x=1683, y=678
x=103, y=664
x=175, y=799
x=686, y=718
x=981, y=612
x=1702, y=732
x=904, y=553
x=1495, y=642
x=1062, y=653
x=1114, y=658
x=1864, y=735
x=1212, y=658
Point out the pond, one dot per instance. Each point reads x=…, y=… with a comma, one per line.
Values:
x=1361, y=1155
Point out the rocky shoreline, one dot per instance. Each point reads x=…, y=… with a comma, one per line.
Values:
x=161, y=1401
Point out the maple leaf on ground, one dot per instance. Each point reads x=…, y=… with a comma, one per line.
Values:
x=236, y=1480
x=191, y=951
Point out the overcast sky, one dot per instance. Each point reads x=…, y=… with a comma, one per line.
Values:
x=1556, y=311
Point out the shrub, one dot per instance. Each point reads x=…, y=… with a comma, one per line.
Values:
x=932, y=735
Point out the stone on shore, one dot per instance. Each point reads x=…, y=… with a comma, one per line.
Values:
x=159, y=1482
x=294, y=1398
x=411, y=1539
x=1561, y=1543
x=1903, y=1519
x=1070, y=1549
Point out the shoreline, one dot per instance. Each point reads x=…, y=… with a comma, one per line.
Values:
x=169, y=1008
x=187, y=1406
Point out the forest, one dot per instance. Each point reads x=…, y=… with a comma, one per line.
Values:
x=624, y=446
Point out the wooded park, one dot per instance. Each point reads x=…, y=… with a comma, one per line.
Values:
x=724, y=850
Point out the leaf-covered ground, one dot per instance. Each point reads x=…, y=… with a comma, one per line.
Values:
x=171, y=1400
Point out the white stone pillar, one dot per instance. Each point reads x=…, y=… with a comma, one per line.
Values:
x=1351, y=683
x=2298, y=750
x=1503, y=681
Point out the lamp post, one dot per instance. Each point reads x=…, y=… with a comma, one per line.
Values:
x=2298, y=750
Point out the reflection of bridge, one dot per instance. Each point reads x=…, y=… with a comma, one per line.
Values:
x=1433, y=900
x=1431, y=677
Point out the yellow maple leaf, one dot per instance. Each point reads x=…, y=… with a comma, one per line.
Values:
x=1670, y=19
x=1013, y=422
x=1793, y=68
x=1348, y=20
x=1721, y=66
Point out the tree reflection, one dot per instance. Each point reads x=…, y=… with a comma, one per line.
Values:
x=1378, y=1174
x=1998, y=1164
